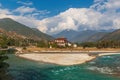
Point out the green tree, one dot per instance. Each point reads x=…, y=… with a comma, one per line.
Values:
x=3, y=67
x=88, y=44
x=42, y=44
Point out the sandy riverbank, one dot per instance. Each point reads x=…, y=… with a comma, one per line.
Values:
x=107, y=54
x=70, y=50
x=60, y=59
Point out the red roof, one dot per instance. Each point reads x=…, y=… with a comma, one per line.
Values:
x=61, y=39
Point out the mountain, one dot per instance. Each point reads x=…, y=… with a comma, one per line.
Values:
x=83, y=36
x=11, y=35
x=13, y=26
x=75, y=36
x=115, y=35
x=68, y=33
x=96, y=37
x=41, y=34
x=12, y=39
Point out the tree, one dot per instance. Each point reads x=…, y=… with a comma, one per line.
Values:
x=88, y=44
x=3, y=67
x=42, y=44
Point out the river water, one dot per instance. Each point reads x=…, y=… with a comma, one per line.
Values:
x=102, y=68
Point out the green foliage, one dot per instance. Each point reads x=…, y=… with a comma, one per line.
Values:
x=54, y=45
x=101, y=44
x=42, y=44
x=3, y=67
x=6, y=41
x=108, y=44
x=88, y=44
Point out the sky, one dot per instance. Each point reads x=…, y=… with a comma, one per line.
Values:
x=54, y=16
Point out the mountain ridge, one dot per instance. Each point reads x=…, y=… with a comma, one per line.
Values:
x=115, y=35
x=83, y=36
x=11, y=25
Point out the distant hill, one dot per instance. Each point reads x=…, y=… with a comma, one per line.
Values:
x=69, y=34
x=83, y=36
x=96, y=37
x=115, y=35
x=75, y=36
x=11, y=25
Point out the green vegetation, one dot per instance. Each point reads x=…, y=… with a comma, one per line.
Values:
x=87, y=44
x=101, y=44
x=108, y=44
x=3, y=67
x=7, y=40
x=13, y=39
x=42, y=44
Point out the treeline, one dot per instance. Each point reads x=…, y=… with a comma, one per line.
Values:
x=101, y=44
x=6, y=41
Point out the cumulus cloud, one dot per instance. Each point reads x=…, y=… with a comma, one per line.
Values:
x=103, y=14
x=72, y=18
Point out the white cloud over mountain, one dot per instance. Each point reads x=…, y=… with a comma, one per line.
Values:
x=103, y=14
x=73, y=18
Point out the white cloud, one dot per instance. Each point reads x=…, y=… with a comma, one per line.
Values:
x=25, y=3
x=103, y=14
x=23, y=10
x=5, y=11
x=73, y=18
x=30, y=12
x=106, y=5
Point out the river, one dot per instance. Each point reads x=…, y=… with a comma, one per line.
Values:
x=102, y=68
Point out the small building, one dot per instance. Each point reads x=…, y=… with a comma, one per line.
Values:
x=61, y=42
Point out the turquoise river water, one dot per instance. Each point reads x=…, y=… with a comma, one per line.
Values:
x=102, y=68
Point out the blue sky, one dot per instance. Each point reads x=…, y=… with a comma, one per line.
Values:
x=53, y=6
x=54, y=16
